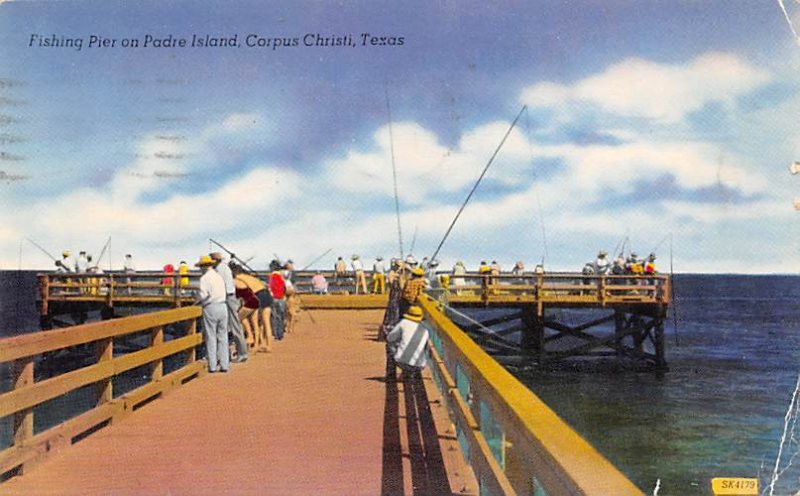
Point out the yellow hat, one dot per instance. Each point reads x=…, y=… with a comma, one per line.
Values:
x=414, y=313
x=65, y=253
x=418, y=271
x=204, y=261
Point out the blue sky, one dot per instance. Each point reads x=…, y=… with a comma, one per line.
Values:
x=644, y=119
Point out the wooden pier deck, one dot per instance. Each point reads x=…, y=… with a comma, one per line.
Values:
x=315, y=416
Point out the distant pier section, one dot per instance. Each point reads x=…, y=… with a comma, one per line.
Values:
x=553, y=316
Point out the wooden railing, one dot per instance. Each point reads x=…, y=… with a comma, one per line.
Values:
x=138, y=287
x=547, y=289
x=23, y=352
x=554, y=289
x=514, y=442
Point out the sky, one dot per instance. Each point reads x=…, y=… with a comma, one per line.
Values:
x=645, y=126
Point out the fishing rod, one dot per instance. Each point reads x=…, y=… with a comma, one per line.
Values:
x=414, y=239
x=472, y=191
x=34, y=243
x=316, y=259
x=103, y=252
x=661, y=243
x=242, y=262
x=625, y=241
x=535, y=189
x=394, y=173
x=620, y=245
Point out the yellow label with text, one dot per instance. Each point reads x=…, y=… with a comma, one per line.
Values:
x=734, y=486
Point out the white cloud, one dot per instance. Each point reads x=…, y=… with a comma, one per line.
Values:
x=665, y=93
x=425, y=167
x=242, y=121
x=345, y=203
x=620, y=168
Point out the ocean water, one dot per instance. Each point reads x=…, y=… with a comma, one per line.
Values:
x=718, y=411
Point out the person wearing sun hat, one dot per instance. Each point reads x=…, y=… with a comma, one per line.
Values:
x=378, y=276
x=407, y=341
x=358, y=272
x=413, y=288
x=222, y=268
x=211, y=296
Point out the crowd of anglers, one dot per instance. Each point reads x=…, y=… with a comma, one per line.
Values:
x=235, y=302
x=244, y=312
x=621, y=266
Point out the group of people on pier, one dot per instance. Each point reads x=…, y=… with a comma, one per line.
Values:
x=85, y=265
x=382, y=275
x=621, y=266
x=251, y=310
x=403, y=328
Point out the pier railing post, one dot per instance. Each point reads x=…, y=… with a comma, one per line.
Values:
x=44, y=287
x=105, y=352
x=601, y=290
x=192, y=351
x=176, y=291
x=157, y=371
x=539, y=293
x=22, y=371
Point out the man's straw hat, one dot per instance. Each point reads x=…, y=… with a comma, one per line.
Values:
x=205, y=261
x=414, y=313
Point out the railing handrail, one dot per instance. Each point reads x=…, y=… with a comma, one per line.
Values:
x=27, y=393
x=570, y=463
x=35, y=343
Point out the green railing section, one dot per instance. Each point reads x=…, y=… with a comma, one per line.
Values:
x=514, y=442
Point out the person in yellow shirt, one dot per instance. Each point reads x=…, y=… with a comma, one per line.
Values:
x=413, y=288
x=378, y=276
x=183, y=270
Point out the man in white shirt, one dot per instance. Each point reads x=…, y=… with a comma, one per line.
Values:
x=358, y=271
x=82, y=263
x=378, y=276
x=211, y=296
x=67, y=263
x=234, y=324
x=407, y=341
x=81, y=266
x=129, y=268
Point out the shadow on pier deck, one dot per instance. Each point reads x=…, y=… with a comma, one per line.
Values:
x=315, y=416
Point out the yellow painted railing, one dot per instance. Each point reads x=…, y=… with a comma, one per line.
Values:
x=22, y=352
x=555, y=289
x=542, y=289
x=515, y=443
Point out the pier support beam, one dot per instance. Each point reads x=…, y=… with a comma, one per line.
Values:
x=659, y=343
x=532, y=340
x=620, y=324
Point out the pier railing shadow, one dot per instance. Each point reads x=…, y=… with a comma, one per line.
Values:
x=428, y=473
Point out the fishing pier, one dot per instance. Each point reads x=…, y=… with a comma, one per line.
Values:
x=325, y=412
x=636, y=307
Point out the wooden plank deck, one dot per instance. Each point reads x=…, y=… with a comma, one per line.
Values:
x=315, y=416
